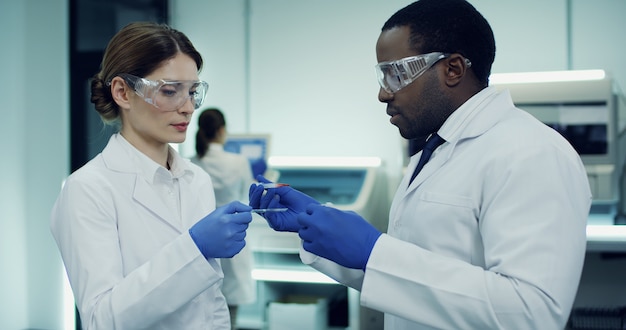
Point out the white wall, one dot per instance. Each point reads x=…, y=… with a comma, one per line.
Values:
x=531, y=35
x=34, y=91
x=13, y=253
x=313, y=84
x=217, y=29
x=598, y=37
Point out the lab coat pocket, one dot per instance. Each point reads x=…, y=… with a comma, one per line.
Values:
x=442, y=222
x=447, y=199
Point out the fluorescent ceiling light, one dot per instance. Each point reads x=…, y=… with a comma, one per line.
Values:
x=546, y=76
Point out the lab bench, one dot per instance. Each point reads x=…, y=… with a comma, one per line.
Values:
x=602, y=290
x=602, y=234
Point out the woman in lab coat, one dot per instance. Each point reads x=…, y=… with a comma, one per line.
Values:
x=490, y=234
x=231, y=175
x=137, y=226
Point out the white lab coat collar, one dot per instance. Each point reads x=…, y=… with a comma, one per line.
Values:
x=119, y=155
x=215, y=150
x=452, y=129
x=216, y=147
x=457, y=127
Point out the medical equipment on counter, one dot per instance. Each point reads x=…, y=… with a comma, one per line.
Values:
x=348, y=183
x=256, y=147
x=620, y=216
x=587, y=108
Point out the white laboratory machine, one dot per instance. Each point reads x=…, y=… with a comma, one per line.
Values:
x=589, y=110
x=349, y=183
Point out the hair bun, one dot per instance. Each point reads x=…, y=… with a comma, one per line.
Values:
x=102, y=99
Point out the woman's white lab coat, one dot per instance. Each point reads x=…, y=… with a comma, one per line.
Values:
x=129, y=257
x=232, y=176
x=489, y=235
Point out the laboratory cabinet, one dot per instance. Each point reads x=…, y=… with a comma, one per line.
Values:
x=296, y=293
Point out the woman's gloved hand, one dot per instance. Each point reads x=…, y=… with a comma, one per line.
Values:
x=281, y=197
x=340, y=236
x=221, y=234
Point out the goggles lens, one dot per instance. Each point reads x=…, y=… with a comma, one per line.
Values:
x=168, y=95
x=395, y=75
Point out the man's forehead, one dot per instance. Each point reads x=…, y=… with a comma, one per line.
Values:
x=394, y=43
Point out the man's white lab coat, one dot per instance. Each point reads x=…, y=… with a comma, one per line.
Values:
x=490, y=235
x=128, y=254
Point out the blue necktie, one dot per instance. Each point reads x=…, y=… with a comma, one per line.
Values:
x=433, y=142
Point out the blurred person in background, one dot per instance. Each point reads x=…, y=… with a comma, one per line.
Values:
x=231, y=175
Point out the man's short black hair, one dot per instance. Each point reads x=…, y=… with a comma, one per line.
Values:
x=449, y=26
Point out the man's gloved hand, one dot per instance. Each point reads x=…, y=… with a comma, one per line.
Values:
x=340, y=236
x=221, y=234
x=281, y=197
x=259, y=167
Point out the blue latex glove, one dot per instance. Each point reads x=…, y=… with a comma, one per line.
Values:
x=340, y=236
x=221, y=234
x=259, y=167
x=281, y=197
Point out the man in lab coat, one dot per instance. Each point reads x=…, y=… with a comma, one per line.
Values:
x=491, y=233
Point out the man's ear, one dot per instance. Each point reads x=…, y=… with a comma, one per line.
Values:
x=456, y=69
x=120, y=92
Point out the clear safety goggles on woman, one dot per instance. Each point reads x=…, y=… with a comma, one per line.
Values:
x=168, y=95
x=395, y=75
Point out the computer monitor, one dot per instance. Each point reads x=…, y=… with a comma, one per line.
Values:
x=256, y=147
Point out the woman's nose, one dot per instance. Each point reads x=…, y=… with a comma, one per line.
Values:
x=188, y=107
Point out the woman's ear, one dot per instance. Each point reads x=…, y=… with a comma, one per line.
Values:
x=120, y=92
x=456, y=69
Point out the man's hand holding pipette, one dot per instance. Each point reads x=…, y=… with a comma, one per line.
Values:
x=278, y=196
x=340, y=236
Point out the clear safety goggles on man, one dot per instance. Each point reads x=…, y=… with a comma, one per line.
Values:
x=395, y=75
x=168, y=95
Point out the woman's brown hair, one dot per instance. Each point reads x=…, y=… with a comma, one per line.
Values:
x=209, y=123
x=138, y=49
